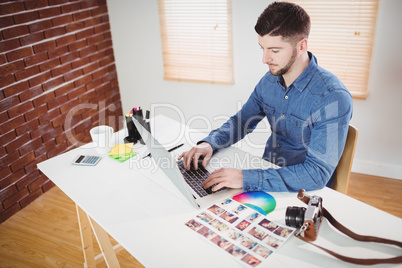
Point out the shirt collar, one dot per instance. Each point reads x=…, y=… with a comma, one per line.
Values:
x=304, y=78
x=280, y=81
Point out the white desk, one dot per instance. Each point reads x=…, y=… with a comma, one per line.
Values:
x=143, y=211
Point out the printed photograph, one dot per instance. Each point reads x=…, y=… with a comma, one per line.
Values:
x=251, y=260
x=262, y=251
x=207, y=233
x=229, y=217
x=221, y=242
x=283, y=232
x=226, y=202
x=240, y=209
x=248, y=242
x=216, y=210
x=253, y=217
x=242, y=232
x=195, y=226
x=233, y=234
x=236, y=251
x=219, y=225
x=273, y=242
x=205, y=217
x=258, y=233
x=243, y=225
x=269, y=225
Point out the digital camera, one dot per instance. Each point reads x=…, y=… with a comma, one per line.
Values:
x=309, y=219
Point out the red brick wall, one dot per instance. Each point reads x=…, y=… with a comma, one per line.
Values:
x=58, y=80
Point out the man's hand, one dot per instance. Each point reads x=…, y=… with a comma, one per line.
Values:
x=203, y=149
x=224, y=177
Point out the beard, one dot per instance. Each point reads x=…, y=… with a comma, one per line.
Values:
x=288, y=65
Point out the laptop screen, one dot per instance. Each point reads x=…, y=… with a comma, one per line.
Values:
x=165, y=161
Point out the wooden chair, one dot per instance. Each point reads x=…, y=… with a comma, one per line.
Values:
x=342, y=171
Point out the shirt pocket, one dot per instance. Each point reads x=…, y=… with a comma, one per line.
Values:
x=299, y=129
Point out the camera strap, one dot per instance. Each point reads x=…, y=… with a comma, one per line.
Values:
x=357, y=237
x=364, y=238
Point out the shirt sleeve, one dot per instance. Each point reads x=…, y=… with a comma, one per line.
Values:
x=238, y=126
x=330, y=124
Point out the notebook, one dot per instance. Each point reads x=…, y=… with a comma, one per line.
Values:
x=168, y=164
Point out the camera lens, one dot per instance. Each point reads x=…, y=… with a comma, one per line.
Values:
x=295, y=216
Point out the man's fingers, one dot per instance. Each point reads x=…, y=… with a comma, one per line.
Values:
x=224, y=177
x=195, y=161
x=196, y=157
x=217, y=187
x=205, y=161
x=207, y=182
x=195, y=153
x=212, y=179
x=185, y=157
x=189, y=157
x=187, y=161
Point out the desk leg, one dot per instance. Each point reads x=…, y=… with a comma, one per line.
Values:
x=86, y=238
x=86, y=225
x=104, y=244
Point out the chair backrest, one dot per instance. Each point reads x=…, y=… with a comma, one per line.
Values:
x=342, y=171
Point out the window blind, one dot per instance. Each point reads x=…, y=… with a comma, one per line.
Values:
x=342, y=34
x=197, y=40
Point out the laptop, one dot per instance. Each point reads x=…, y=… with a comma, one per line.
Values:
x=168, y=163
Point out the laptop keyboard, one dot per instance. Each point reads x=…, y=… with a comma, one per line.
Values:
x=195, y=178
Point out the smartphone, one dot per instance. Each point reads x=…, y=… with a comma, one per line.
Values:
x=86, y=160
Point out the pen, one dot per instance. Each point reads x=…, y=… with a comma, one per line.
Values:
x=170, y=150
x=176, y=147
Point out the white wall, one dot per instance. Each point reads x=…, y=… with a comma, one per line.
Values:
x=137, y=48
x=379, y=147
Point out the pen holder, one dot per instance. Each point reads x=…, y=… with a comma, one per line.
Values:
x=133, y=134
x=147, y=126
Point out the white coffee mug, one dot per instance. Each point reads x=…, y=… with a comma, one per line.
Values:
x=102, y=138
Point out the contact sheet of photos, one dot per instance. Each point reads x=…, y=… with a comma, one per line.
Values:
x=240, y=231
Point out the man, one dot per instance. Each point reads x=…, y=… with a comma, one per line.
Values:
x=308, y=108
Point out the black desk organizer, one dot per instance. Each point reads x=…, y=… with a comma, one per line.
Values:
x=133, y=135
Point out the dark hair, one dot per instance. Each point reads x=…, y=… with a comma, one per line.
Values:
x=284, y=19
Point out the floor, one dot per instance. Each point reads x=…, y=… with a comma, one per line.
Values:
x=382, y=193
x=45, y=233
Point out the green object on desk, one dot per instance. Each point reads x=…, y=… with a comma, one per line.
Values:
x=122, y=152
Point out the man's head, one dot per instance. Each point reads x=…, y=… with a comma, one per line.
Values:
x=283, y=29
x=284, y=19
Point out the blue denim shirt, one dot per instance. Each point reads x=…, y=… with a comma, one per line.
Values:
x=309, y=122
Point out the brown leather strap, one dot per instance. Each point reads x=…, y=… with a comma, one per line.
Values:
x=360, y=261
x=355, y=236
x=358, y=237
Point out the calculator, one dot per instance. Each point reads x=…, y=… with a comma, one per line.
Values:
x=86, y=160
